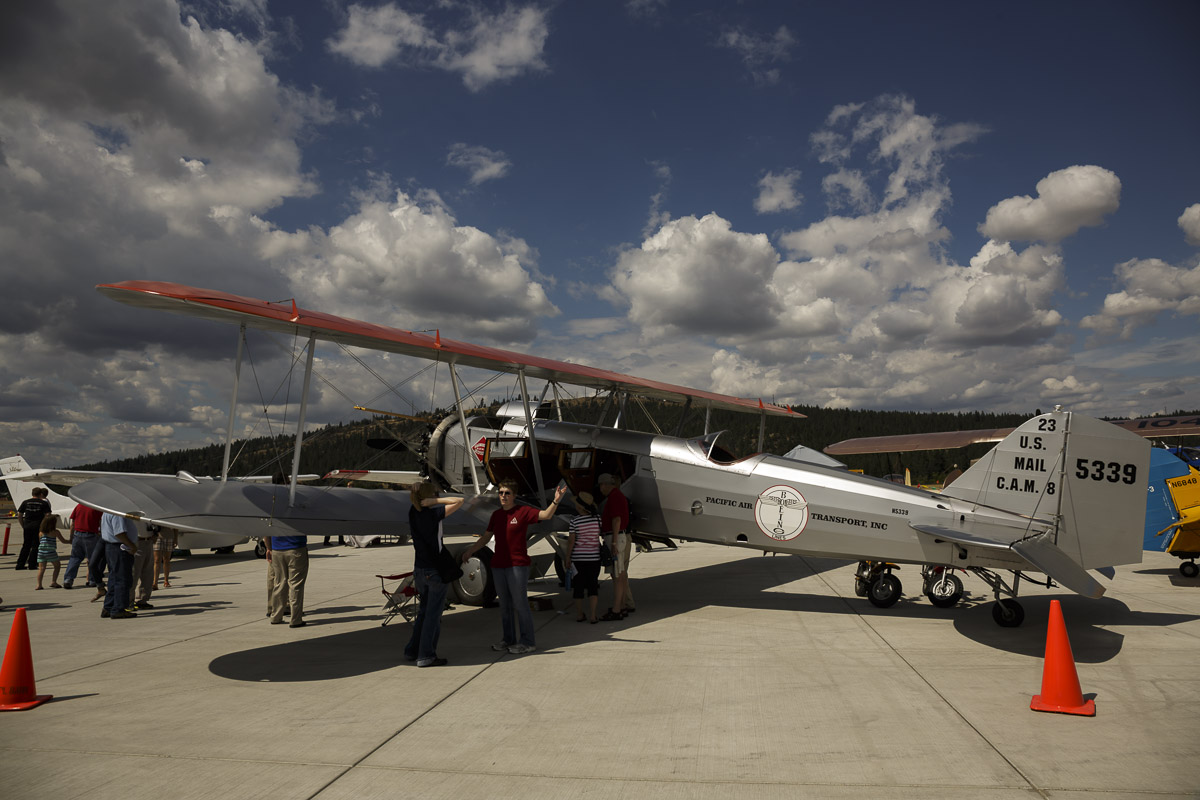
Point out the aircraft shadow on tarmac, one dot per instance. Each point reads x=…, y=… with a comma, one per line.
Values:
x=1173, y=574
x=750, y=583
x=188, y=609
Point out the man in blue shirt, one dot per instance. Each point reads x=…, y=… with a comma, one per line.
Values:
x=289, y=563
x=120, y=545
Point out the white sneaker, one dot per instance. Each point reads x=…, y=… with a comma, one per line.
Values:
x=500, y=647
x=521, y=649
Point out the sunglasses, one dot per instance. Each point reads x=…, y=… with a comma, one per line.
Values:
x=504, y=492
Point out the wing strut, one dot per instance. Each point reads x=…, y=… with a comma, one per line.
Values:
x=687, y=407
x=237, y=375
x=537, y=462
x=462, y=421
x=557, y=402
x=308, y=362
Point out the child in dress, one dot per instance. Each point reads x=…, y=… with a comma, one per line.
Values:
x=47, y=552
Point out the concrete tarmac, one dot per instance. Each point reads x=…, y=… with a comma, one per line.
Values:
x=739, y=675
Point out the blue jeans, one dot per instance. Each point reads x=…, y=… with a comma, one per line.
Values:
x=83, y=549
x=428, y=624
x=120, y=578
x=511, y=583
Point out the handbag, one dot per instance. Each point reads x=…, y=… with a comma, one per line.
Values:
x=448, y=567
x=606, y=558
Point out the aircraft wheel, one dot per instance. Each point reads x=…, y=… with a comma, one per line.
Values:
x=945, y=591
x=1189, y=569
x=860, y=587
x=260, y=548
x=475, y=585
x=1008, y=613
x=224, y=551
x=884, y=591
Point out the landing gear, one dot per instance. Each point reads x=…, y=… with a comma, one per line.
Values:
x=885, y=591
x=1008, y=613
x=260, y=548
x=874, y=580
x=943, y=588
x=1189, y=569
x=475, y=586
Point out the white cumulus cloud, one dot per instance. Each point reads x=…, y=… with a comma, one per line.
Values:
x=1189, y=222
x=481, y=163
x=1068, y=199
x=777, y=192
x=483, y=48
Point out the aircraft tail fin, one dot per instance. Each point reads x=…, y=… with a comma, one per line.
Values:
x=18, y=490
x=21, y=490
x=1088, y=477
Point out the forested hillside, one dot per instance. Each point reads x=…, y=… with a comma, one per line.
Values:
x=344, y=445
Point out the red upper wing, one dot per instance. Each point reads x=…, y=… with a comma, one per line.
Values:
x=289, y=318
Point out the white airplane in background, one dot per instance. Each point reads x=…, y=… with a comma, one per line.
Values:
x=1060, y=495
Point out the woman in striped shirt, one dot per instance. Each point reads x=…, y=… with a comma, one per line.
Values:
x=583, y=552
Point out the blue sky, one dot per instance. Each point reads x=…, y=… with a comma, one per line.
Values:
x=909, y=206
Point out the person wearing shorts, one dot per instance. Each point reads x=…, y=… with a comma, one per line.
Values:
x=614, y=522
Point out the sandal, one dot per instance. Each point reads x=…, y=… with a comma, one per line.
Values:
x=581, y=619
x=611, y=616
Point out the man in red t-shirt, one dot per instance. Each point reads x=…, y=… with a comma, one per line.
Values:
x=614, y=521
x=509, y=526
x=85, y=539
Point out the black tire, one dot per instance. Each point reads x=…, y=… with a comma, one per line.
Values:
x=1189, y=569
x=885, y=591
x=860, y=587
x=223, y=550
x=1008, y=613
x=475, y=586
x=945, y=591
x=260, y=548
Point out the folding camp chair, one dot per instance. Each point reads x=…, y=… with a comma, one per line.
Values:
x=402, y=599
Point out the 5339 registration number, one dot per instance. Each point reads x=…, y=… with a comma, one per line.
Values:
x=1111, y=471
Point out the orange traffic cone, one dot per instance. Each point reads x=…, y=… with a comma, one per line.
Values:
x=1060, y=681
x=17, y=691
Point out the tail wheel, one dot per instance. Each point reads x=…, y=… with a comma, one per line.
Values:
x=885, y=591
x=945, y=591
x=475, y=586
x=1008, y=613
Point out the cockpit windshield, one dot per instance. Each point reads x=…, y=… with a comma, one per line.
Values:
x=707, y=446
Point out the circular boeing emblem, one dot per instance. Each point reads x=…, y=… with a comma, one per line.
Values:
x=781, y=512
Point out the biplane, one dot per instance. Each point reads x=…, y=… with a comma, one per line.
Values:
x=1057, y=497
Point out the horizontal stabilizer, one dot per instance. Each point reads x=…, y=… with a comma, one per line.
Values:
x=1047, y=557
x=1039, y=551
x=959, y=537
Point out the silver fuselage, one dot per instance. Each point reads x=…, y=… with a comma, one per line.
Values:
x=778, y=504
